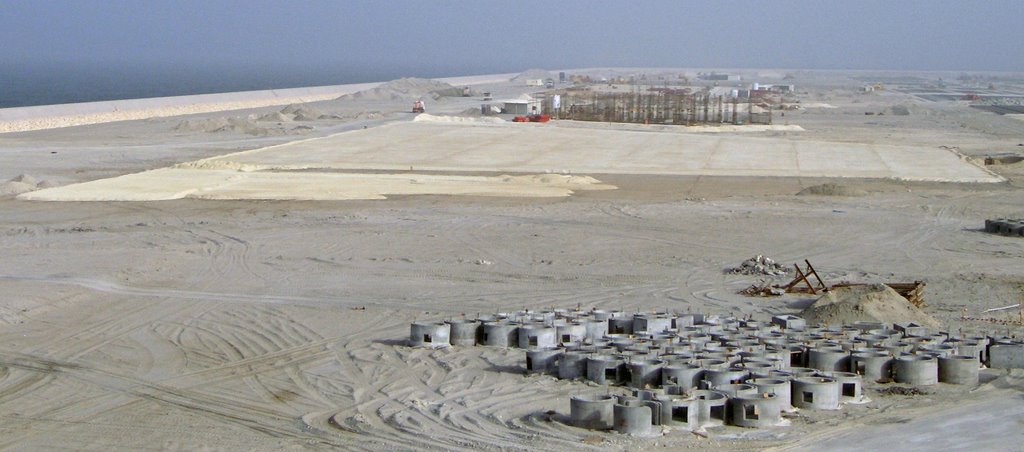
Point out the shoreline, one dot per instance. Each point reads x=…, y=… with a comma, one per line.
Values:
x=42, y=117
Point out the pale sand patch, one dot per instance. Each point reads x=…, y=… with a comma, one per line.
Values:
x=177, y=183
x=577, y=149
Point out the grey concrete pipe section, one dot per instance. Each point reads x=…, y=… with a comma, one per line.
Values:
x=754, y=411
x=572, y=365
x=595, y=329
x=959, y=370
x=464, y=333
x=429, y=334
x=500, y=334
x=829, y=359
x=707, y=408
x=571, y=333
x=851, y=386
x=685, y=375
x=780, y=387
x=632, y=416
x=595, y=412
x=919, y=370
x=737, y=389
x=542, y=360
x=816, y=393
x=645, y=373
x=652, y=324
x=536, y=336
x=604, y=369
x=620, y=325
x=873, y=366
x=719, y=377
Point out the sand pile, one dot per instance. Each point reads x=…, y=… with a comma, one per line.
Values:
x=831, y=189
x=274, y=117
x=531, y=74
x=22, y=184
x=870, y=303
x=303, y=113
x=899, y=110
x=247, y=126
x=408, y=89
x=426, y=117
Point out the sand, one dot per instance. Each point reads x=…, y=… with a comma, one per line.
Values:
x=279, y=324
x=868, y=303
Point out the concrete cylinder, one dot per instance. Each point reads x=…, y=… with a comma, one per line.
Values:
x=571, y=333
x=632, y=417
x=850, y=386
x=920, y=370
x=816, y=393
x=718, y=377
x=620, y=325
x=645, y=373
x=829, y=359
x=707, y=408
x=780, y=387
x=873, y=366
x=713, y=364
x=464, y=333
x=970, y=348
x=652, y=324
x=737, y=389
x=754, y=411
x=795, y=372
x=756, y=369
x=604, y=369
x=536, y=336
x=686, y=375
x=500, y=334
x=959, y=370
x=429, y=334
x=572, y=365
x=542, y=360
x=595, y=329
x=940, y=350
x=594, y=412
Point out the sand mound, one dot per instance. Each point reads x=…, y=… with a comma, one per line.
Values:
x=426, y=117
x=25, y=178
x=870, y=303
x=408, y=89
x=13, y=188
x=301, y=113
x=831, y=190
x=46, y=184
x=274, y=117
x=531, y=74
x=218, y=125
x=23, y=183
x=899, y=110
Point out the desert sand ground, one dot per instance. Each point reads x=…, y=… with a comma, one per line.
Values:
x=269, y=324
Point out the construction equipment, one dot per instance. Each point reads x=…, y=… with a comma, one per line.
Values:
x=418, y=107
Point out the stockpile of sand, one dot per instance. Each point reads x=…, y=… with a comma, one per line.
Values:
x=23, y=184
x=831, y=189
x=426, y=117
x=869, y=303
x=247, y=126
x=531, y=74
x=408, y=89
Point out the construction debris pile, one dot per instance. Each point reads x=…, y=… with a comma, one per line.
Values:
x=759, y=265
x=1005, y=227
x=698, y=371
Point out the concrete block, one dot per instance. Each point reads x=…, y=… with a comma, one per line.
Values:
x=1006, y=356
x=790, y=322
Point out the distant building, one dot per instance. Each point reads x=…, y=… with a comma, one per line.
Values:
x=520, y=106
x=535, y=82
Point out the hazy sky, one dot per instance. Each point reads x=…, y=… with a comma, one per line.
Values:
x=454, y=37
